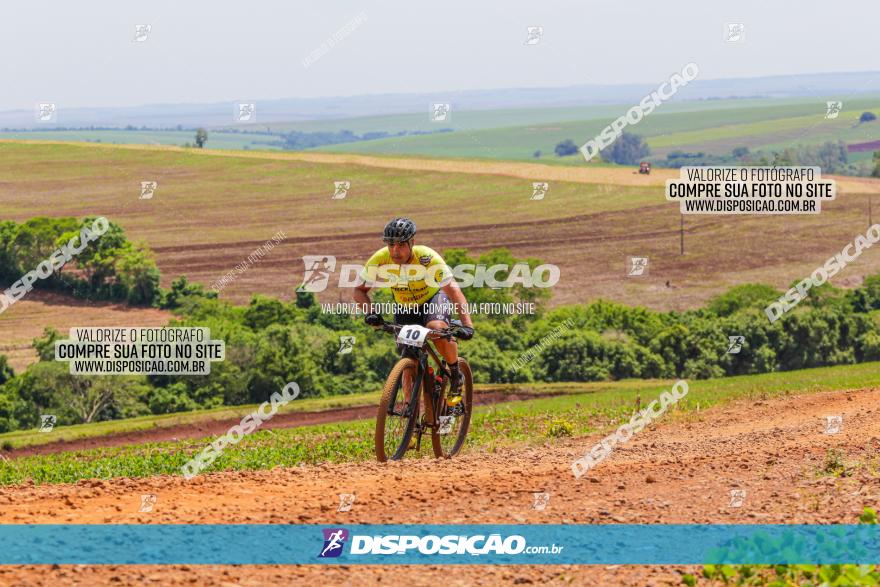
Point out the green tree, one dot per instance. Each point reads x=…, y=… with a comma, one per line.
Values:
x=139, y=275
x=201, y=137
x=6, y=372
x=45, y=345
x=9, y=268
x=265, y=311
x=36, y=239
x=876, y=172
x=98, y=260
x=183, y=293
x=565, y=148
x=305, y=299
x=15, y=413
x=867, y=117
x=283, y=355
x=628, y=149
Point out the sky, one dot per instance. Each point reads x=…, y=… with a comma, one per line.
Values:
x=84, y=53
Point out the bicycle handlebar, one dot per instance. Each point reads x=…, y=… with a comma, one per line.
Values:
x=434, y=334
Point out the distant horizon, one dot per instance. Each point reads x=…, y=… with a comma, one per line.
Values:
x=173, y=103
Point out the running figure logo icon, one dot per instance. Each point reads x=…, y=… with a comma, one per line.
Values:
x=141, y=32
x=47, y=112
x=247, y=112
x=832, y=109
x=539, y=190
x=440, y=112
x=341, y=189
x=735, y=344
x=318, y=270
x=541, y=501
x=737, y=498
x=535, y=33
x=47, y=422
x=636, y=266
x=334, y=540
x=148, y=188
x=148, y=500
x=735, y=32
x=446, y=424
x=346, y=500
x=346, y=344
x=833, y=424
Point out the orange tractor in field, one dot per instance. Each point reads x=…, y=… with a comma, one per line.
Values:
x=645, y=167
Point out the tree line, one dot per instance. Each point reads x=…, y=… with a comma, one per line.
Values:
x=270, y=342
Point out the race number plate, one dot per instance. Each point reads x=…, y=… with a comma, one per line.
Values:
x=413, y=335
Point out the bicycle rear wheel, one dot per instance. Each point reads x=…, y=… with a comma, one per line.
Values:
x=448, y=436
x=397, y=417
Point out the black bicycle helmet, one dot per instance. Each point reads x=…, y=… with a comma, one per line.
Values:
x=399, y=230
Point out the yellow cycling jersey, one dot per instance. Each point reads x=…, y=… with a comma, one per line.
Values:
x=419, y=279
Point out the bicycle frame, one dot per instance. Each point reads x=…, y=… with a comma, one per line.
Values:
x=421, y=370
x=425, y=410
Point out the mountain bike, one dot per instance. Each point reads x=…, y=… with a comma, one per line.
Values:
x=414, y=399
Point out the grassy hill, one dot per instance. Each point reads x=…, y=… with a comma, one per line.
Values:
x=216, y=140
x=714, y=128
x=213, y=208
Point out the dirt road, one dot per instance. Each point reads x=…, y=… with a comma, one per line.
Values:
x=681, y=471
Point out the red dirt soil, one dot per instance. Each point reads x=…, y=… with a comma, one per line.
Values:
x=862, y=147
x=681, y=471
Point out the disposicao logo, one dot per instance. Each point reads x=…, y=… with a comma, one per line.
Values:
x=334, y=540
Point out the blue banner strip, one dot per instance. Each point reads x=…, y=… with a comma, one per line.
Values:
x=605, y=544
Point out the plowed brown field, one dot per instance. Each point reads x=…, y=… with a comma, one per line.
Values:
x=681, y=471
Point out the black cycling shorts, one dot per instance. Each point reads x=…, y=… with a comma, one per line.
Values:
x=437, y=308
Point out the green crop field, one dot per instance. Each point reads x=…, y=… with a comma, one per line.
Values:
x=24, y=438
x=715, y=130
x=508, y=117
x=216, y=140
x=596, y=407
x=712, y=126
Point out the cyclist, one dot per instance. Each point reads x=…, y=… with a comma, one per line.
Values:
x=423, y=300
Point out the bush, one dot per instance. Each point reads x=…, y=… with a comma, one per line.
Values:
x=565, y=148
x=270, y=343
x=6, y=372
x=174, y=398
x=560, y=428
x=628, y=149
x=182, y=294
x=747, y=295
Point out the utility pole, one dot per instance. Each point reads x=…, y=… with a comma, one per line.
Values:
x=681, y=233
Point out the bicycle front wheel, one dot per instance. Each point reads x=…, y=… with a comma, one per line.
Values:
x=397, y=414
x=447, y=437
